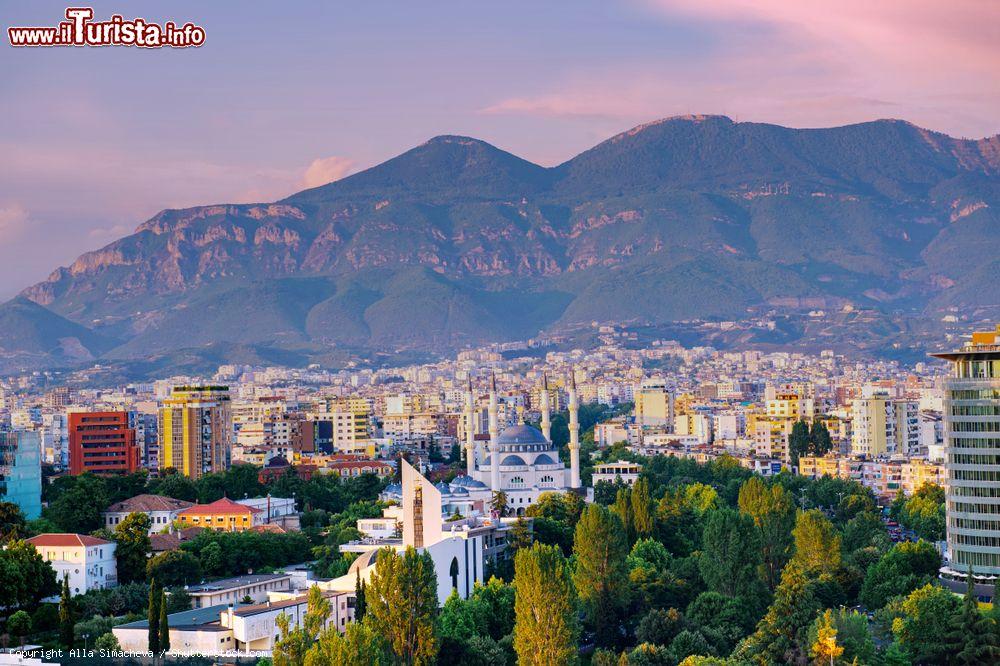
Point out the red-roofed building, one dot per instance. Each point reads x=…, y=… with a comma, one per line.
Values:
x=88, y=561
x=222, y=515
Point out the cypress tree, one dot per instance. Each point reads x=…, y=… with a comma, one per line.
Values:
x=402, y=606
x=642, y=514
x=360, y=604
x=66, y=619
x=164, y=624
x=153, y=616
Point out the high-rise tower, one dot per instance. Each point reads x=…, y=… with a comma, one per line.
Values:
x=972, y=451
x=196, y=427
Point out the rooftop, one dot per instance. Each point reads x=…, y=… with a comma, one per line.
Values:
x=232, y=583
x=66, y=540
x=197, y=617
x=223, y=505
x=144, y=503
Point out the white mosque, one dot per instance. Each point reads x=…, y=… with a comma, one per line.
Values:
x=528, y=466
x=522, y=461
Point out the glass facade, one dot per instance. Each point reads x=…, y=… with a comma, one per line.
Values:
x=972, y=449
x=21, y=471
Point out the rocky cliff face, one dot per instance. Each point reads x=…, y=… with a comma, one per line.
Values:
x=456, y=241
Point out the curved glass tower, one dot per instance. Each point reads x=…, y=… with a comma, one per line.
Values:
x=972, y=448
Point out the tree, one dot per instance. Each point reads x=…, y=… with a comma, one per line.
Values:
x=66, y=619
x=688, y=642
x=360, y=645
x=820, y=439
x=153, y=618
x=922, y=631
x=19, y=625
x=12, y=523
x=659, y=627
x=164, y=623
x=498, y=502
x=174, y=567
x=132, y=551
x=731, y=553
x=519, y=535
x=107, y=642
x=78, y=509
x=701, y=498
x=601, y=576
x=360, y=604
x=25, y=578
x=402, y=604
x=825, y=649
x=817, y=543
x=623, y=509
x=498, y=600
x=641, y=509
x=972, y=633
x=777, y=638
x=546, y=627
x=906, y=567
x=295, y=644
x=853, y=634
x=773, y=513
x=798, y=441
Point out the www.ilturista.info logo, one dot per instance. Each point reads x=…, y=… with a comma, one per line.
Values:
x=80, y=30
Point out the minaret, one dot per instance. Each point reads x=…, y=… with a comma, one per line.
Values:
x=470, y=431
x=574, y=434
x=546, y=422
x=494, y=437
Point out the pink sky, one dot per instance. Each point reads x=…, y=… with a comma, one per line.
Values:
x=94, y=141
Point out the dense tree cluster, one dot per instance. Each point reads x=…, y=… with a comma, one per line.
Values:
x=923, y=512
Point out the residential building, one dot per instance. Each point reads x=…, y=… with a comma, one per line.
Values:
x=162, y=511
x=615, y=472
x=222, y=515
x=234, y=590
x=21, y=471
x=195, y=430
x=102, y=443
x=88, y=561
x=972, y=450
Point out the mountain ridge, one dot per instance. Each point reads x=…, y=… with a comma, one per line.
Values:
x=680, y=218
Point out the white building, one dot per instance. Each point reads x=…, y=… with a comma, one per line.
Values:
x=162, y=511
x=88, y=561
x=622, y=470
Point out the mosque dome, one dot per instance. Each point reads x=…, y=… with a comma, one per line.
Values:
x=521, y=434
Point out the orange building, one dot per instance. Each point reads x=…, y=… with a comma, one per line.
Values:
x=223, y=515
x=102, y=443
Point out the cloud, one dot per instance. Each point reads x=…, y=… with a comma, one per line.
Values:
x=14, y=221
x=326, y=170
x=804, y=63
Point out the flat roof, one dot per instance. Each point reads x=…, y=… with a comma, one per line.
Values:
x=196, y=617
x=230, y=583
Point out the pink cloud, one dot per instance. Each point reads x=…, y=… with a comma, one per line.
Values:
x=803, y=63
x=326, y=170
x=14, y=221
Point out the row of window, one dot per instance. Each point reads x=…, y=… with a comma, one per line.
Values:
x=974, y=426
x=975, y=475
x=975, y=443
x=976, y=394
x=976, y=491
x=975, y=524
x=974, y=458
x=975, y=410
x=976, y=540
x=975, y=507
x=976, y=559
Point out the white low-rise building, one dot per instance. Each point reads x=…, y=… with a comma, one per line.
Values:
x=88, y=561
x=162, y=511
x=627, y=472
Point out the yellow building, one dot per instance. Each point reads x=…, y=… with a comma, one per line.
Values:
x=654, y=404
x=223, y=515
x=195, y=429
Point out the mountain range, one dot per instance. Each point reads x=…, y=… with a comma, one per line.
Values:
x=456, y=242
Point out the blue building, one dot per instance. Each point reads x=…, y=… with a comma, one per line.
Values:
x=21, y=471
